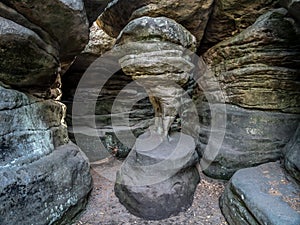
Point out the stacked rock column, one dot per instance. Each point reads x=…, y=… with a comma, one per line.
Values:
x=159, y=177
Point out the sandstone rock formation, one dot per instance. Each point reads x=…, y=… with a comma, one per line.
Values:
x=256, y=70
x=261, y=195
x=192, y=14
x=44, y=17
x=159, y=177
x=44, y=178
x=160, y=182
x=157, y=54
x=230, y=17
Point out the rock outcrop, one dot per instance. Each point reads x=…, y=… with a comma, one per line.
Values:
x=257, y=70
x=69, y=36
x=192, y=14
x=44, y=178
x=159, y=177
x=261, y=195
x=230, y=17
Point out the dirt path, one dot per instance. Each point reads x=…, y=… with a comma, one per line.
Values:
x=104, y=207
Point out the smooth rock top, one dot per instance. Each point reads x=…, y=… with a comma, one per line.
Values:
x=192, y=14
x=161, y=28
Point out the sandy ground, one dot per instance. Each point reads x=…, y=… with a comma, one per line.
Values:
x=104, y=207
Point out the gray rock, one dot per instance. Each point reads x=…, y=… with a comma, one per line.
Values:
x=25, y=59
x=292, y=155
x=158, y=178
x=32, y=127
x=192, y=14
x=161, y=28
x=156, y=52
x=230, y=17
x=50, y=190
x=252, y=137
x=258, y=68
x=261, y=195
x=293, y=6
x=64, y=20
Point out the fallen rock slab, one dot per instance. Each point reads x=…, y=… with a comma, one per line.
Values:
x=261, y=195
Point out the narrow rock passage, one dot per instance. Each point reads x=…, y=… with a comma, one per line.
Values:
x=104, y=207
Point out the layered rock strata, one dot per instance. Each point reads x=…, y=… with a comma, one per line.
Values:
x=159, y=177
x=44, y=178
x=257, y=71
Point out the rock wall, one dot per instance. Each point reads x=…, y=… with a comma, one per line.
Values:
x=249, y=49
x=44, y=178
x=257, y=71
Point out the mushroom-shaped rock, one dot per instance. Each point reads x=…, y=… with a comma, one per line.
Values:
x=157, y=54
x=192, y=14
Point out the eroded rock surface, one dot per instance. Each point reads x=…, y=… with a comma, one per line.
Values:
x=230, y=17
x=44, y=177
x=47, y=190
x=64, y=20
x=261, y=195
x=256, y=70
x=192, y=14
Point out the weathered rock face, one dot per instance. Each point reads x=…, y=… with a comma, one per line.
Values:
x=156, y=52
x=69, y=36
x=44, y=177
x=230, y=17
x=158, y=178
x=252, y=137
x=32, y=128
x=261, y=195
x=192, y=14
x=99, y=42
x=32, y=59
x=256, y=70
x=292, y=156
x=47, y=190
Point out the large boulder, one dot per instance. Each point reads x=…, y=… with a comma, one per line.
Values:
x=257, y=68
x=158, y=178
x=261, y=195
x=192, y=14
x=46, y=191
x=252, y=137
x=257, y=73
x=32, y=128
x=25, y=60
x=64, y=20
x=37, y=162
